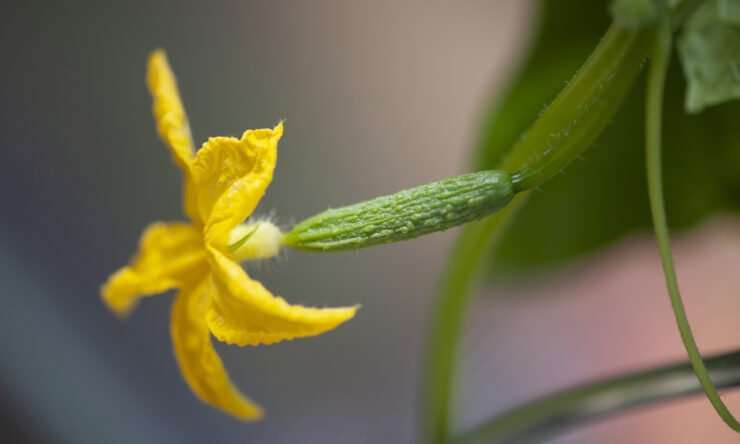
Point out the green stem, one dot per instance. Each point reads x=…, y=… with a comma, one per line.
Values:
x=546, y=416
x=569, y=125
x=653, y=116
x=473, y=243
x=600, y=88
x=583, y=108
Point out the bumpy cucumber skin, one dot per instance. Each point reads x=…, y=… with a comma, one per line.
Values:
x=406, y=214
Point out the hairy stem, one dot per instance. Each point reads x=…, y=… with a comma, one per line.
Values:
x=582, y=110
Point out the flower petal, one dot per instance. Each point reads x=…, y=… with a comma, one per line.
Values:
x=243, y=312
x=172, y=122
x=170, y=254
x=231, y=176
x=200, y=365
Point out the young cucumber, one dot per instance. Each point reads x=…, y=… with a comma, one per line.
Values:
x=406, y=214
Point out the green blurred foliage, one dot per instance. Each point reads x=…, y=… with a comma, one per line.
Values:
x=709, y=47
x=637, y=13
x=604, y=196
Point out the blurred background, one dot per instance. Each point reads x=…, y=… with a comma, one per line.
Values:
x=378, y=96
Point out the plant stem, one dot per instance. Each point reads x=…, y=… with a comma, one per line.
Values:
x=546, y=416
x=583, y=108
x=569, y=125
x=473, y=243
x=653, y=117
x=591, y=91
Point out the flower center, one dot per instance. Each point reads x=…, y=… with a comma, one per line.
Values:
x=254, y=240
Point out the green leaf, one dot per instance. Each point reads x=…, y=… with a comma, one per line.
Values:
x=604, y=197
x=709, y=47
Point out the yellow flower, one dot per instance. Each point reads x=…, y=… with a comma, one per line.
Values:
x=222, y=185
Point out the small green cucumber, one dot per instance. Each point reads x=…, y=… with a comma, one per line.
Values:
x=406, y=214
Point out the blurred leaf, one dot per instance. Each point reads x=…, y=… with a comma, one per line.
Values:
x=604, y=197
x=709, y=47
x=637, y=13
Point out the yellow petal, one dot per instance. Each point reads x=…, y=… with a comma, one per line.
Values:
x=170, y=254
x=231, y=176
x=172, y=122
x=200, y=365
x=243, y=312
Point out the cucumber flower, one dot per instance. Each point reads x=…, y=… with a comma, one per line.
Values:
x=223, y=183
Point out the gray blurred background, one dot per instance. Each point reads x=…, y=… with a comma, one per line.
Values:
x=378, y=96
